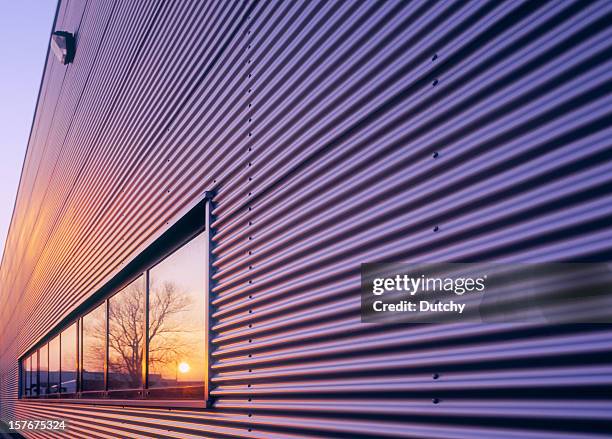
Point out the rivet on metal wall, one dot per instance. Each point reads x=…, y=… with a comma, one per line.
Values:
x=435, y=155
x=436, y=228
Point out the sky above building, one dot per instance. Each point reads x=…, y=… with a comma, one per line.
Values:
x=25, y=27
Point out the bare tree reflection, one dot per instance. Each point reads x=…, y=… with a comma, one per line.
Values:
x=167, y=341
x=126, y=336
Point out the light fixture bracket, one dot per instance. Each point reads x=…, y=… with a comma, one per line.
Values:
x=62, y=45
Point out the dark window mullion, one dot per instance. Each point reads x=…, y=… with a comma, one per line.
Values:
x=59, y=381
x=145, y=356
x=29, y=376
x=208, y=297
x=106, y=372
x=47, y=388
x=80, y=356
x=37, y=372
x=78, y=364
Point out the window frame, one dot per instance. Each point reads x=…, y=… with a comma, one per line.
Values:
x=195, y=222
x=39, y=349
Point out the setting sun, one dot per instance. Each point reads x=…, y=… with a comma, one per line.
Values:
x=183, y=367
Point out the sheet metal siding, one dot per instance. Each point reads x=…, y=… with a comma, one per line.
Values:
x=334, y=133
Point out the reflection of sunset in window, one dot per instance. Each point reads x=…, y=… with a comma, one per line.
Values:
x=183, y=367
x=152, y=323
x=176, y=318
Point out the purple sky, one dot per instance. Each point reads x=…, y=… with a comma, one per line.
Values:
x=25, y=26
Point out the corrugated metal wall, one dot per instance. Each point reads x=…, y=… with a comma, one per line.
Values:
x=334, y=133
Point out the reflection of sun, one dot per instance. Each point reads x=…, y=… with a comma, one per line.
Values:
x=183, y=367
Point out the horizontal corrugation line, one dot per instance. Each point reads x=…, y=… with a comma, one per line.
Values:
x=333, y=133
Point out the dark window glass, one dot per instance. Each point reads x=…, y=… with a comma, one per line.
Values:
x=34, y=374
x=69, y=359
x=54, y=365
x=177, y=351
x=43, y=368
x=94, y=348
x=126, y=336
x=28, y=376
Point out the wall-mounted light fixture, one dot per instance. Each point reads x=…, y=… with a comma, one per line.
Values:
x=62, y=45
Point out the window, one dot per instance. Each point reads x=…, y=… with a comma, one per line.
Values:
x=43, y=369
x=35, y=389
x=177, y=350
x=68, y=364
x=145, y=336
x=28, y=376
x=94, y=349
x=126, y=323
x=54, y=365
x=29, y=386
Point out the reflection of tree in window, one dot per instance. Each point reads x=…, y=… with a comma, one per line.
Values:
x=126, y=336
x=169, y=332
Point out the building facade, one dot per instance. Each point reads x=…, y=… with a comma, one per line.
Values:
x=268, y=149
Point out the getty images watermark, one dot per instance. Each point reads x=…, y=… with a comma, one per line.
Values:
x=453, y=292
